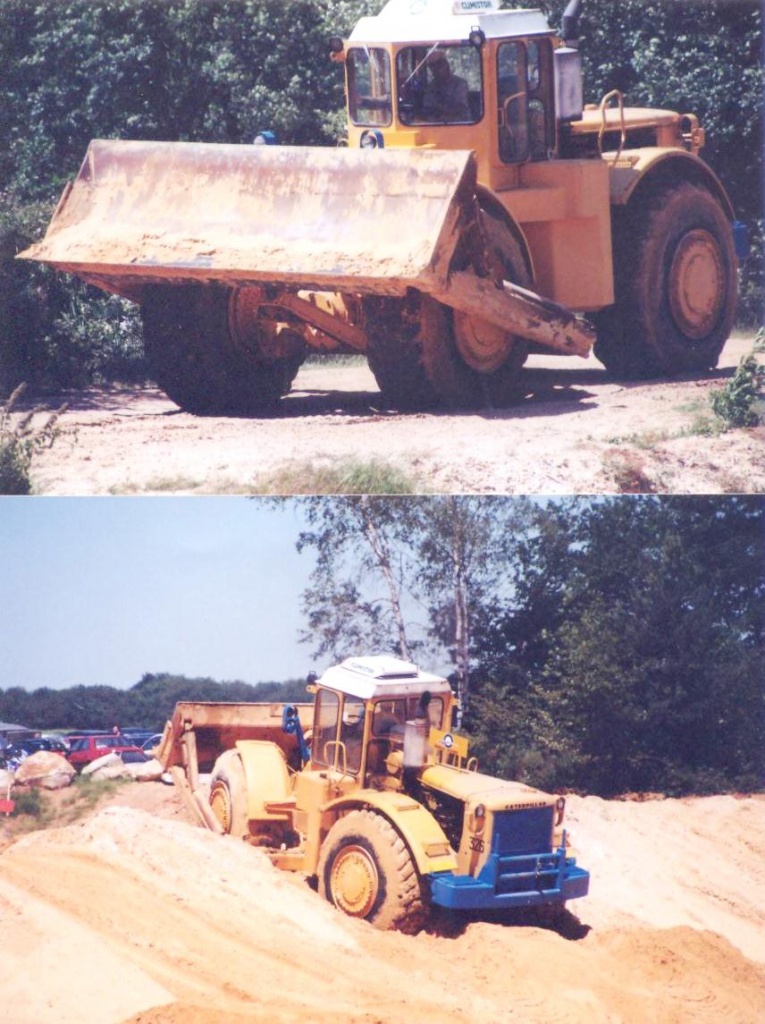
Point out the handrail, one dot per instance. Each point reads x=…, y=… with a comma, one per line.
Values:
x=614, y=94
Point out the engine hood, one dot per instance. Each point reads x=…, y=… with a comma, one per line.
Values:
x=474, y=788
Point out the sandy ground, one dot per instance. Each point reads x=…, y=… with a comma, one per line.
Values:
x=575, y=432
x=137, y=916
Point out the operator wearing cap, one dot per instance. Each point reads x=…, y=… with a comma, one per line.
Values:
x=446, y=94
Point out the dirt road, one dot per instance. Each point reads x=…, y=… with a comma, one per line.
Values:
x=575, y=432
x=137, y=916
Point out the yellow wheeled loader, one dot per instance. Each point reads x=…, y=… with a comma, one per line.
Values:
x=480, y=211
x=370, y=793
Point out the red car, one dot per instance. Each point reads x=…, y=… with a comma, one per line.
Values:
x=84, y=749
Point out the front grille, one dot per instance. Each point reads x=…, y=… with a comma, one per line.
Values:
x=522, y=845
x=528, y=830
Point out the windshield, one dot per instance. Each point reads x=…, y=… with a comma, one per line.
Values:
x=369, y=91
x=390, y=716
x=439, y=85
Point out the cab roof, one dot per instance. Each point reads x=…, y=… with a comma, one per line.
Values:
x=441, y=21
x=381, y=676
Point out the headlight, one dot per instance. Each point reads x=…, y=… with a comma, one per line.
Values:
x=478, y=818
x=371, y=139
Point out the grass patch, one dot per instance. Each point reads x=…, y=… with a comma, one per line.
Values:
x=317, y=359
x=644, y=441
x=160, y=485
x=36, y=809
x=345, y=476
x=628, y=473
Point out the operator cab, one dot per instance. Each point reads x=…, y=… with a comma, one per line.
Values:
x=364, y=711
x=465, y=75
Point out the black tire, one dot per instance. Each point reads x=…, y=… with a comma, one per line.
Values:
x=366, y=870
x=414, y=343
x=205, y=362
x=397, y=349
x=228, y=794
x=497, y=386
x=676, y=286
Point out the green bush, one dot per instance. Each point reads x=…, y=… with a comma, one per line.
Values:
x=740, y=402
x=20, y=440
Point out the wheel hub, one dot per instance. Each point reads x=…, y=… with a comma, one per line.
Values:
x=354, y=882
x=697, y=284
x=484, y=346
x=220, y=803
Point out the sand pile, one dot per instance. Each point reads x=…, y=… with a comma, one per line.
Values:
x=134, y=917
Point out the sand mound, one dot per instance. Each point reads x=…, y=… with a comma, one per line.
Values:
x=131, y=917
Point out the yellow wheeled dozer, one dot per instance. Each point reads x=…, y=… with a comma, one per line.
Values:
x=369, y=793
x=479, y=211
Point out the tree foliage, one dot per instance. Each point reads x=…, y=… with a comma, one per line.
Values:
x=148, y=704
x=404, y=574
x=630, y=658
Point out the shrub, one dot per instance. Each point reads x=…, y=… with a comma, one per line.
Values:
x=738, y=404
x=20, y=441
x=28, y=801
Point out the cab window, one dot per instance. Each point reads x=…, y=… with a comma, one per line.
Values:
x=326, y=714
x=524, y=82
x=439, y=85
x=369, y=90
x=352, y=732
x=390, y=716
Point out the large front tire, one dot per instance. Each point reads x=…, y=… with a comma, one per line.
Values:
x=424, y=354
x=210, y=355
x=676, y=284
x=367, y=871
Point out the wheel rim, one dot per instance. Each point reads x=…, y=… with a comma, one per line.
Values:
x=354, y=881
x=484, y=346
x=256, y=337
x=220, y=802
x=697, y=284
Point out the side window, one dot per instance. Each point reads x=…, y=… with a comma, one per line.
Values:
x=369, y=91
x=436, y=713
x=540, y=81
x=524, y=82
x=439, y=85
x=352, y=732
x=326, y=714
x=511, y=100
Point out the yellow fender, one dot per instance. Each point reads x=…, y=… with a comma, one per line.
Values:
x=641, y=167
x=269, y=792
x=419, y=829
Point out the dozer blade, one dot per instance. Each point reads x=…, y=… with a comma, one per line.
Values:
x=367, y=221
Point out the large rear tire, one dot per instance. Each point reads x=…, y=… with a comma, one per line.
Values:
x=423, y=354
x=676, y=284
x=209, y=353
x=366, y=870
x=228, y=794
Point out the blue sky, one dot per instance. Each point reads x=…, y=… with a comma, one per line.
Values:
x=102, y=590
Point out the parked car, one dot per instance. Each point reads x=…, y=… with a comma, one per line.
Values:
x=84, y=749
x=152, y=742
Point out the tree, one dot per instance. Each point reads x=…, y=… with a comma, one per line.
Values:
x=381, y=561
x=647, y=675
